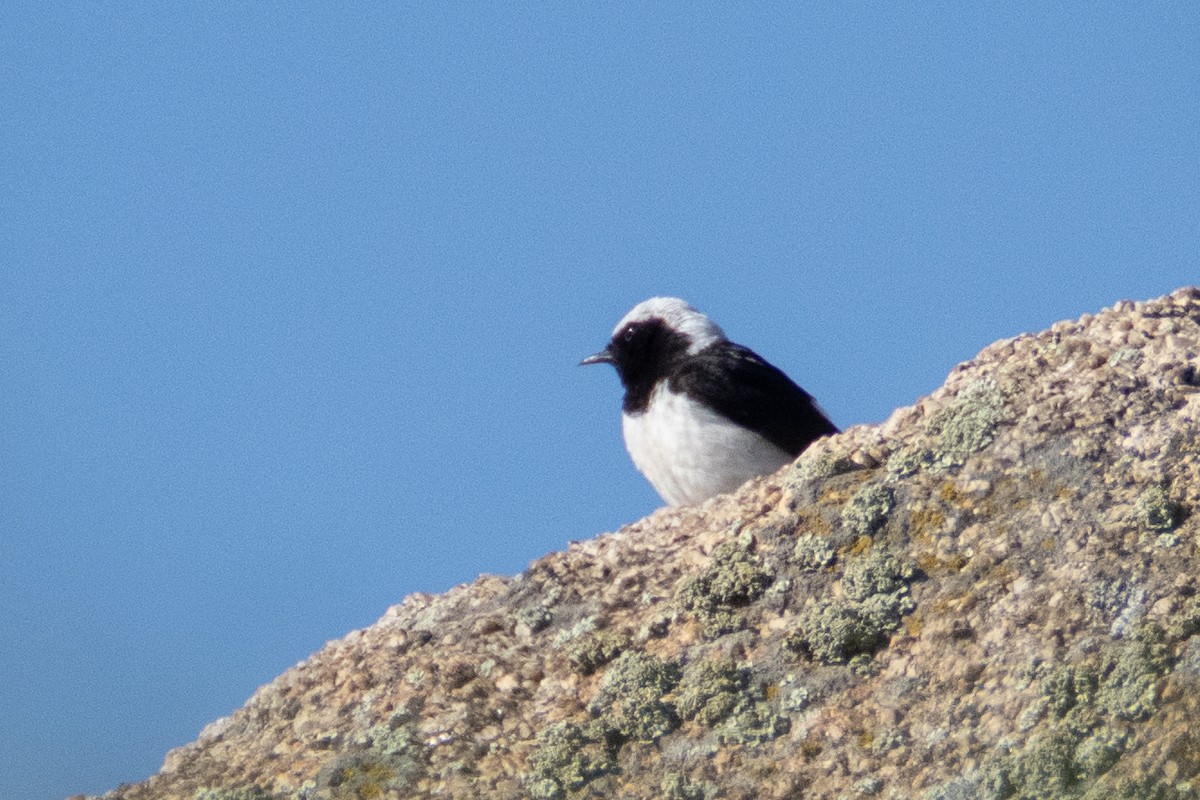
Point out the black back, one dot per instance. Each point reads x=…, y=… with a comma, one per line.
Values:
x=738, y=384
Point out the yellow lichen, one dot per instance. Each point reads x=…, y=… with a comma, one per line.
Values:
x=925, y=521
x=861, y=545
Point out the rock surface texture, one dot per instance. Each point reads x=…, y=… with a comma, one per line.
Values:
x=994, y=594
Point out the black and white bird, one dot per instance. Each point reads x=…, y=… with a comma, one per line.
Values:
x=703, y=415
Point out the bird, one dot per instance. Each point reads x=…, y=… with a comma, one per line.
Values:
x=702, y=415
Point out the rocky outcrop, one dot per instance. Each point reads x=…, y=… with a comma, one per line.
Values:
x=993, y=594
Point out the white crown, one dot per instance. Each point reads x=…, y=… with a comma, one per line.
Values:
x=679, y=316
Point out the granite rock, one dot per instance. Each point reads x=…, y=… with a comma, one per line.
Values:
x=993, y=594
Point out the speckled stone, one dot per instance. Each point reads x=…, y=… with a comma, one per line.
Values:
x=1041, y=639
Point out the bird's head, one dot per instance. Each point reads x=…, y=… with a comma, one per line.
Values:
x=654, y=334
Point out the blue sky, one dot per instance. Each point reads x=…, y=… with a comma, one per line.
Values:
x=292, y=295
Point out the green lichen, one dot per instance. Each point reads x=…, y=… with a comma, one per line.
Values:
x=752, y=722
x=241, y=793
x=710, y=691
x=1064, y=686
x=813, y=553
x=867, y=510
x=968, y=424
x=869, y=786
x=535, y=618
x=566, y=757
x=834, y=632
x=1096, y=754
x=592, y=651
x=887, y=740
x=1131, y=674
x=398, y=736
x=630, y=701
x=877, y=597
x=1156, y=511
x=1141, y=788
x=676, y=787
x=1089, y=705
x=358, y=776
x=378, y=760
x=718, y=595
x=1045, y=769
x=909, y=460
x=1121, y=682
x=823, y=465
x=877, y=573
x=1127, y=355
x=1186, y=622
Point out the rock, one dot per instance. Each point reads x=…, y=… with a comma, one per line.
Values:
x=996, y=593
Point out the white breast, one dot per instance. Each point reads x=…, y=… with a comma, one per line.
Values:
x=689, y=453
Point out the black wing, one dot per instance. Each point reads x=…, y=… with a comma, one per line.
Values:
x=738, y=384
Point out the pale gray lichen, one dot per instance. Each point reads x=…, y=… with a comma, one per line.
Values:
x=867, y=510
x=710, y=691
x=752, y=722
x=1156, y=511
x=822, y=465
x=908, y=460
x=676, y=787
x=869, y=786
x=539, y=615
x=836, y=631
x=962, y=788
x=813, y=553
x=535, y=618
x=1127, y=355
x=240, y=793
x=357, y=775
x=592, y=651
x=631, y=699
x=399, y=740
x=580, y=628
x=968, y=424
x=877, y=573
x=793, y=697
x=734, y=578
x=567, y=757
x=1107, y=596
x=887, y=740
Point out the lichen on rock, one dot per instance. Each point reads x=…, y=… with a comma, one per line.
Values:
x=566, y=757
x=631, y=701
x=877, y=596
x=867, y=509
x=995, y=594
x=1156, y=511
x=718, y=594
x=969, y=423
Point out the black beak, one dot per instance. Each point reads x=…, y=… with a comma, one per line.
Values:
x=605, y=356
